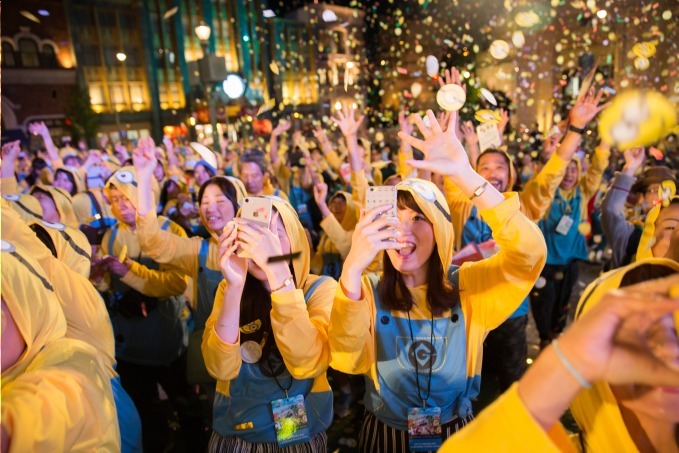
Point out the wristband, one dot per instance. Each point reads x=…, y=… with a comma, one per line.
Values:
x=577, y=130
x=578, y=377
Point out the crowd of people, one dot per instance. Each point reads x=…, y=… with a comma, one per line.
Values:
x=131, y=274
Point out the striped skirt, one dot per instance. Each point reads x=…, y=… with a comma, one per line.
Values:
x=218, y=444
x=378, y=437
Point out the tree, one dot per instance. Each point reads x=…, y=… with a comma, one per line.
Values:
x=81, y=120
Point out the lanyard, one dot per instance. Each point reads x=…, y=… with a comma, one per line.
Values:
x=275, y=376
x=417, y=367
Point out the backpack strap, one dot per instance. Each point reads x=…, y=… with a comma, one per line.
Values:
x=96, y=207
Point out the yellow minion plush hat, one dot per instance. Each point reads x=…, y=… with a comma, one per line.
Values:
x=32, y=303
x=510, y=163
x=125, y=180
x=75, y=178
x=668, y=193
x=68, y=245
x=637, y=118
x=25, y=205
x=435, y=207
x=62, y=201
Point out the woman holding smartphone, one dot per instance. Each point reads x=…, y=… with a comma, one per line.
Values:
x=266, y=339
x=195, y=256
x=416, y=331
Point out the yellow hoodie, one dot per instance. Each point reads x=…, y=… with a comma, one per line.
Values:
x=57, y=396
x=25, y=205
x=336, y=238
x=83, y=307
x=62, y=201
x=70, y=245
x=490, y=290
x=300, y=329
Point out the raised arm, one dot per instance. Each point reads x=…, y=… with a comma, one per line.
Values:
x=281, y=127
x=39, y=128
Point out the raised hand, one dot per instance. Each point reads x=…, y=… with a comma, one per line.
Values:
x=234, y=269
x=370, y=237
x=504, y=119
x=586, y=109
x=281, y=127
x=320, y=193
x=144, y=158
x=634, y=159
x=468, y=133
x=39, y=128
x=347, y=123
x=443, y=152
x=10, y=151
x=259, y=242
x=405, y=125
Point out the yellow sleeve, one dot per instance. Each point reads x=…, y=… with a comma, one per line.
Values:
x=538, y=194
x=404, y=153
x=333, y=160
x=352, y=332
x=61, y=403
x=9, y=186
x=496, y=286
x=460, y=208
x=589, y=184
x=359, y=185
x=163, y=246
x=507, y=426
x=162, y=283
x=222, y=359
x=301, y=328
x=339, y=237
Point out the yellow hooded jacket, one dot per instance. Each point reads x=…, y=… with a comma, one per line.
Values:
x=300, y=327
x=83, y=307
x=25, y=205
x=163, y=283
x=63, y=203
x=490, y=290
x=57, y=396
x=76, y=177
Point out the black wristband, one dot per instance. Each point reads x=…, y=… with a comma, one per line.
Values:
x=576, y=129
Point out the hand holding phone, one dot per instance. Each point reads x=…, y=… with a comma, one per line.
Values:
x=258, y=211
x=379, y=196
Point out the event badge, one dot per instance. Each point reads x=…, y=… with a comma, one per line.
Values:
x=424, y=428
x=564, y=225
x=250, y=351
x=290, y=421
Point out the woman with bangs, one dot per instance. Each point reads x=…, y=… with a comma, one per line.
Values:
x=416, y=331
x=195, y=256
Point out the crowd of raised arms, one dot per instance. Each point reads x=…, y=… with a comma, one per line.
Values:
x=245, y=285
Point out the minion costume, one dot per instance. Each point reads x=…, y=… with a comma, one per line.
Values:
x=507, y=346
x=199, y=259
x=74, y=176
x=245, y=391
x=87, y=319
x=62, y=201
x=57, y=395
x=146, y=309
x=565, y=227
x=25, y=205
x=367, y=338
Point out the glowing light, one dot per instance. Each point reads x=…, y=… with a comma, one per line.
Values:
x=121, y=56
x=601, y=13
x=203, y=32
x=338, y=105
x=234, y=86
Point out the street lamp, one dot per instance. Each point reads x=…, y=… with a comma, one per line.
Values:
x=212, y=70
x=121, y=58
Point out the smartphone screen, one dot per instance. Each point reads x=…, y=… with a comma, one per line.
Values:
x=381, y=195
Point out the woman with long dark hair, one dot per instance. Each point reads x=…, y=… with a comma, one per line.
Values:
x=266, y=340
x=416, y=331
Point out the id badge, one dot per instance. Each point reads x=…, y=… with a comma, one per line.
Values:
x=290, y=421
x=424, y=428
x=564, y=225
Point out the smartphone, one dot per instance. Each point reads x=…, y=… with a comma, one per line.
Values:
x=381, y=195
x=258, y=211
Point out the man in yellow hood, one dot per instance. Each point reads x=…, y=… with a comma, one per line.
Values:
x=56, y=394
x=57, y=205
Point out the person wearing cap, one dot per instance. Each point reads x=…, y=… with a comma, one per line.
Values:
x=197, y=257
x=416, y=331
x=266, y=340
x=612, y=369
x=147, y=310
x=622, y=233
x=56, y=394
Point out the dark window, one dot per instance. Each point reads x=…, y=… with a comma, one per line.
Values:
x=29, y=53
x=49, y=59
x=107, y=19
x=8, y=58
